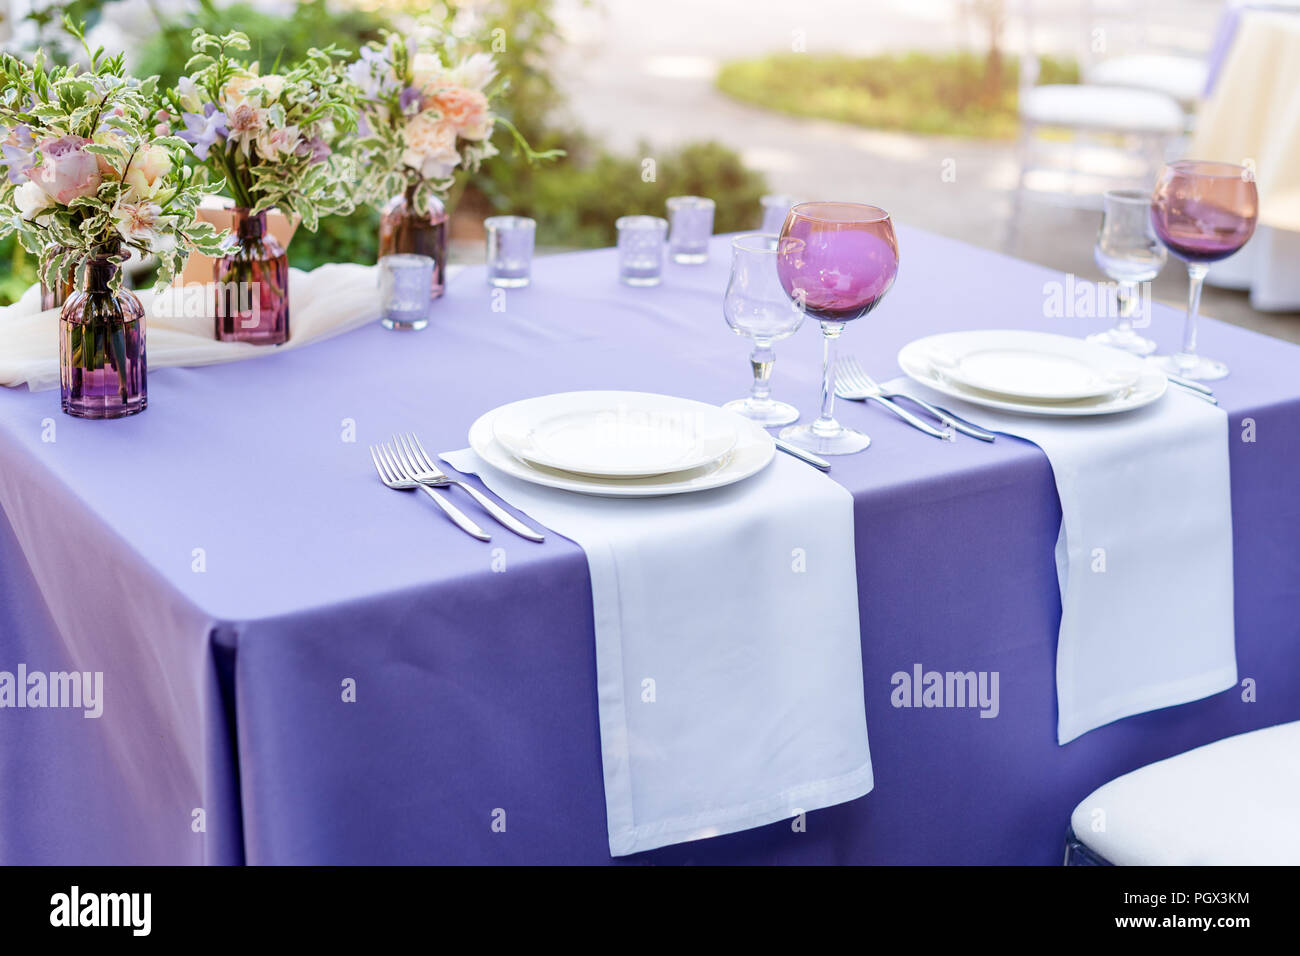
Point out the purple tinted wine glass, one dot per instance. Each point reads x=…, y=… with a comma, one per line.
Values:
x=836, y=261
x=1203, y=212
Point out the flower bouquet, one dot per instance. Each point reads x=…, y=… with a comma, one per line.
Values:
x=91, y=179
x=273, y=140
x=425, y=117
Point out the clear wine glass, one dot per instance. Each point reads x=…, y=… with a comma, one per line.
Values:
x=836, y=260
x=755, y=305
x=1129, y=252
x=1203, y=212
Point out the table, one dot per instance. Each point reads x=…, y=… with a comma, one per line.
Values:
x=224, y=667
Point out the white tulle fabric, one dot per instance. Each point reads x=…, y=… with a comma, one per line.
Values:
x=326, y=301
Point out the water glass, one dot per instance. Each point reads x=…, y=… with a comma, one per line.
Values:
x=755, y=305
x=692, y=226
x=1129, y=252
x=509, y=250
x=775, y=209
x=641, y=249
x=405, y=282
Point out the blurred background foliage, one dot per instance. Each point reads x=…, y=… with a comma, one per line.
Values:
x=950, y=94
x=574, y=200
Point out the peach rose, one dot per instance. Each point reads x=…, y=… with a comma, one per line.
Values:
x=148, y=170
x=466, y=110
x=430, y=146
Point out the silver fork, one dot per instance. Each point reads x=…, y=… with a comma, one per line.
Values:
x=852, y=382
x=844, y=390
x=420, y=466
x=392, y=475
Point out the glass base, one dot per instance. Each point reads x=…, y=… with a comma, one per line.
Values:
x=1125, y=339
x=403, y=325
x=642, y=281
x=823, y=441
x=690, y=258
x=508, y=282
x=765, y=412
x=1195, y=367
x=103, y=408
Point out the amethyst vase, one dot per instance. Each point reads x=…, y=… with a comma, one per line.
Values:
x=101, y=347
x=402, y=229
x=252, y=285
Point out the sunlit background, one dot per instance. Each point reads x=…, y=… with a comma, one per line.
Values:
x=946, y=112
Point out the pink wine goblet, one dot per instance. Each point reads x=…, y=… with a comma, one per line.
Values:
x=1203, y=212
x=836, y=261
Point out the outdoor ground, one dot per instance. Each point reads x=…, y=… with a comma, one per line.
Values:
x=638, y=71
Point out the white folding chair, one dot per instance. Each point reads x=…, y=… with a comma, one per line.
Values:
x=1232, y=802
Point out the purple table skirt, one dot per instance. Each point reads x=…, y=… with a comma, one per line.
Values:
x=228, y=560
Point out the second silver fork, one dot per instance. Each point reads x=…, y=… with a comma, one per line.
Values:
x=853, y=383
x=420, y=466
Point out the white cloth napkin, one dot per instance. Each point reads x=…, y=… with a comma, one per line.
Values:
x=728, y=662
x=1144, y=555
x=324, y=302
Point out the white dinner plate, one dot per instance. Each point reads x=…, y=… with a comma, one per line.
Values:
x=610, y=434
x=751, y=453
x=1025, y=366
x=915, y=359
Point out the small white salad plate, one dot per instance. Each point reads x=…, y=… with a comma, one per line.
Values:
x=1017, y=374
x=751, y=452
x=615, y=434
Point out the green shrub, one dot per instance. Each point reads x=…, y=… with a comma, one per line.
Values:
x=952, y=94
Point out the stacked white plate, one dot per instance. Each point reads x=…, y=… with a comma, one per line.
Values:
x=621, y=444
x=1036, y=373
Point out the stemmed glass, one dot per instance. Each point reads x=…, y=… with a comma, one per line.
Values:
x=755, y=305
x=1203, y=212
x=836, y=260
x=1129, y=252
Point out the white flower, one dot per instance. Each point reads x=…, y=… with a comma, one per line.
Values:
x=32, y=200
x=474, y=72
x=427, y=71
x=430, y=146
x=143, y=223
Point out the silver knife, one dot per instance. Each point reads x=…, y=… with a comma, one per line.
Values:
x=802, y=455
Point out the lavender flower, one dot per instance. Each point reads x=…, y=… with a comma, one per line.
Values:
x=410, y=100
x=201, y=132
x=18, y=156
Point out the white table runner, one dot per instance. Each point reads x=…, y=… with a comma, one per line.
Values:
x=1144, y=556
x=729, y=667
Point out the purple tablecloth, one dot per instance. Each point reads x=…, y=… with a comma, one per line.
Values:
x=229, y=561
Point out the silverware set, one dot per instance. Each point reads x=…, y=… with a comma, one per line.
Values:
x=404, y=465
x=855, y=385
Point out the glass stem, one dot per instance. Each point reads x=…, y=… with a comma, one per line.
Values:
x=826, y=424
x=1126, y=293
x=761, y=360
x=1196, y=278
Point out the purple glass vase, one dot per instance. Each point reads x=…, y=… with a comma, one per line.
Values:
x=403, y=230
x=252, y=285
x=101, y=347
x=66, y=285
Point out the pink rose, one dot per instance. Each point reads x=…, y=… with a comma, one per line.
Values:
x=66, y=172
x=465, y=109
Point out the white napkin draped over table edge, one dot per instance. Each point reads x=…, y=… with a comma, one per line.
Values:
x=728, y=655
x=1144, y=554
x=328, y=300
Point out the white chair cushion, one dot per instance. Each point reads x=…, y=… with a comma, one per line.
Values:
x=1182, y=77
x=1232, y=802
x=1114, y=108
